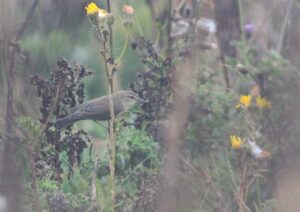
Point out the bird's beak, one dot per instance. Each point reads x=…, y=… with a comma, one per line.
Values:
x=141, y=100
x=138, y=98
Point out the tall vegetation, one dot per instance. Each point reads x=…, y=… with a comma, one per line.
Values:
x=216, y=122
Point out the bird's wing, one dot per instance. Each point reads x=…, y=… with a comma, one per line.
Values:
x=83, y=105
x=98, y=109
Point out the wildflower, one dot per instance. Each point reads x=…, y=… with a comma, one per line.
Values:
x=257, y=152
x=92, y=9
x=248, y=29
x=245, y=101
x=127, y=20
x=128, y=9
x=236, y=142
x=262, y=102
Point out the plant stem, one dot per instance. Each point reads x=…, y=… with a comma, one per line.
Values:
x=284, y=25
x=225, y=71
x=107, y=55
x=94, y=205
x=112, y=144
x=137, y=22
x=110, y=30
x=124, y=48
x=258, y=192
x=241, y=21
x=244, y=49
x=31, y=157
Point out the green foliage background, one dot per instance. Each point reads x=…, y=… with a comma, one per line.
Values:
x=209, y=176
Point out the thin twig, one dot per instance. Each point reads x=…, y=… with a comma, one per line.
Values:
x=26, y=21
x=133, y=171
x=124, y=48
x=110, y=30
x=206, y=180
x=30, y=152
x=225, y=71
x=94, y=205
x=284, y=25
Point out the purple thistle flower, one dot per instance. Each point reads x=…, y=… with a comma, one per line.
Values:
x=248, y=29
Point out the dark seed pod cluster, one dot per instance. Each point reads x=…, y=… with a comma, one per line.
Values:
x=153, y=86
x=63, y=90
x=59, y=202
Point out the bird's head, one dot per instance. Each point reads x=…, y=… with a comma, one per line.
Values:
x=129, y=98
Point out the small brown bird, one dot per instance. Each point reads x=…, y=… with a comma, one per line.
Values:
x=99, y=109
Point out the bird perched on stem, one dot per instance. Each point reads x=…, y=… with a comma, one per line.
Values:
x=99, y=109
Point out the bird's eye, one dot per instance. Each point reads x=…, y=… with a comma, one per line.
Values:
x=132, y=96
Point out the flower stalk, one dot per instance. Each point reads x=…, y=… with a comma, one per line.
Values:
x=247, y=167
x=103, y=21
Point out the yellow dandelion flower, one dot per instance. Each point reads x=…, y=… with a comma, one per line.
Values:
x=245, y=101
x=262, y=102
x=236, y=142
x=92, y=9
